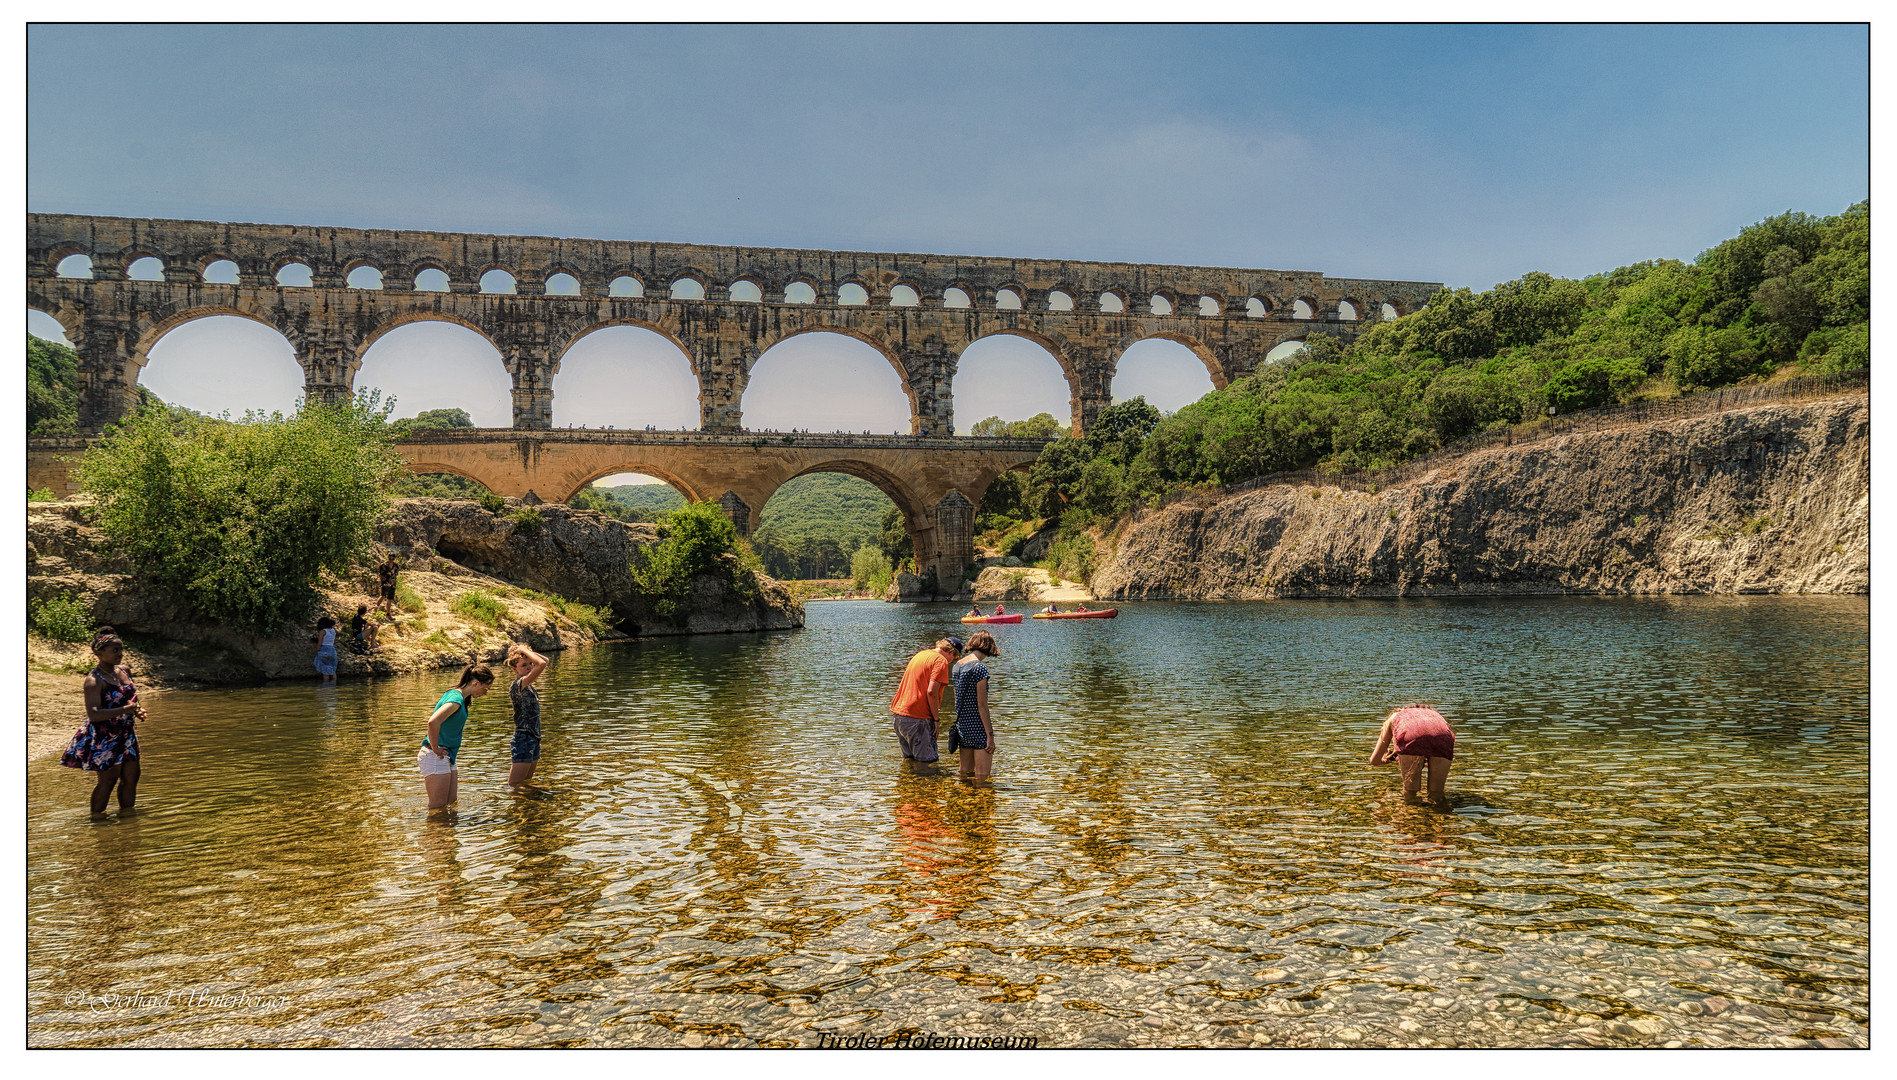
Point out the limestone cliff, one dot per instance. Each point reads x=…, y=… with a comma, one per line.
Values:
x=1762, y=500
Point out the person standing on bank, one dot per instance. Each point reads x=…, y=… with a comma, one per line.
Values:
x=385, y=575
x=325, y=640
x=443, y=740
x=527, y=665
x=1413, y=737
x=973, y=728
x=107, y=743
x=917, y=705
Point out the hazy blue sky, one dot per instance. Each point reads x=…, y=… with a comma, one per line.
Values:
x=1468, y=155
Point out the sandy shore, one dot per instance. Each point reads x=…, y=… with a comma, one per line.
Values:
x=54, y=707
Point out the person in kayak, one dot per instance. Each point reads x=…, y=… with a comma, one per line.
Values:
x=1052, y=609
x=975, y=612
x=1082, y=606
x=1000, y=610
x=1411, y=737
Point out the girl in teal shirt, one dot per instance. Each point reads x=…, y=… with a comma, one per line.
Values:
x=444, y=735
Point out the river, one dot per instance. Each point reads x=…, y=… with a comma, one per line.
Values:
x=1658, y=836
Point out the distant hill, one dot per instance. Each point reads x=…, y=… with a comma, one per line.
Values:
x=654, y=499
x=821, y=502
x=52, y=388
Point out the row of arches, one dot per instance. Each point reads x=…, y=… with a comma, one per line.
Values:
x=631, y=377
x=691, y=285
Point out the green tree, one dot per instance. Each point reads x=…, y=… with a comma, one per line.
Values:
x=893, y=538
x=870, y=569
x=238, y=519
x=695, y=539
x=439, y=419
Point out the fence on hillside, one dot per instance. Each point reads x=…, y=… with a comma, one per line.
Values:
x=1804, y=388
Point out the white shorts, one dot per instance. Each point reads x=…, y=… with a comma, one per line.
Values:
x=432, y=765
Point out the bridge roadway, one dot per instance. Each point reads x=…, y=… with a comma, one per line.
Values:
x=937, y=482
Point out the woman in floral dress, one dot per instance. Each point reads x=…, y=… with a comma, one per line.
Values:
x=107, y=744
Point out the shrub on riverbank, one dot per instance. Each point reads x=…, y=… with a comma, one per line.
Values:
x=479, y=605
x=695, y=539
x=239, y=519
x=63, y=618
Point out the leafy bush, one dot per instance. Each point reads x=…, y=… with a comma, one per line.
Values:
x=438, y=642
x=40, y=495
x=587, y=617
x=479, y=605
x=63, y=618
x=695, y=539
x=491, y=502
x=527, y=520
x=239, y=519
x=408, y=599
x=1072, y=556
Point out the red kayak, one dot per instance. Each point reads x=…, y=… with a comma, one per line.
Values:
x=1107, y=614
x=993, y=618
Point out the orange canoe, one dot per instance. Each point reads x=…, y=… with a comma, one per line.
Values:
x=992, y=618
x=1107, y=614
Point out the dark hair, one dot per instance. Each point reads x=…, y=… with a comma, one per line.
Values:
x=362, y=609
x=105, y=639
x=325, y=623
x=984, y=642
x=475, y=673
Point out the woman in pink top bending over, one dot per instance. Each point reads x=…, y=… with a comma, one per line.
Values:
x=1411, y=736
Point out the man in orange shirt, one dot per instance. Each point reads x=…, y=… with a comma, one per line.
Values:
x=918, y=701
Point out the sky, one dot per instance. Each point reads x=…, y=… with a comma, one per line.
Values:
x=1465, y=154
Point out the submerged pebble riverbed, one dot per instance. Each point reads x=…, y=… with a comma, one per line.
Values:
x=1659, y=837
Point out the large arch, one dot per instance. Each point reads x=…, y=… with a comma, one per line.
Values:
x=435, y=360
x=1166, y=370
x=806, y=350
x=852, y=526
x=217, y=359
x=604, y=376
x=1012, y=377
x=1052, y=348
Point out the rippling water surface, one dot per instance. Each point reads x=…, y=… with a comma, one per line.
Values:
x=1659, y=836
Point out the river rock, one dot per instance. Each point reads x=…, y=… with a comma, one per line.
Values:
x=1771, y=499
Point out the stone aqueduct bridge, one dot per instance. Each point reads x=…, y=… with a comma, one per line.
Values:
x=919, y=311
x=903, y=310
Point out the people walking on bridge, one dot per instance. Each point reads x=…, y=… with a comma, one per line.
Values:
x=107, y=743
x=1413, y=738
x=527, y=665
x=325, y=641
x=443, y=741
x=385, y=578
x=917, y=706
x=974, y=729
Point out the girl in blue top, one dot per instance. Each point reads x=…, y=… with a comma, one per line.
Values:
x=973, y=729
x=444, y=735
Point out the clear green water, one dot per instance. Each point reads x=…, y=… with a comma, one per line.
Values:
x=1659, y=835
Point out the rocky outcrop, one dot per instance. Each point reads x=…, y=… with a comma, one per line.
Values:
x=533, y=574
x=1763, y=500
x=1025, y=583
x=579, y=555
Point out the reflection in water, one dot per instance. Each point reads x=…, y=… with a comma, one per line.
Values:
x=1658, y=834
